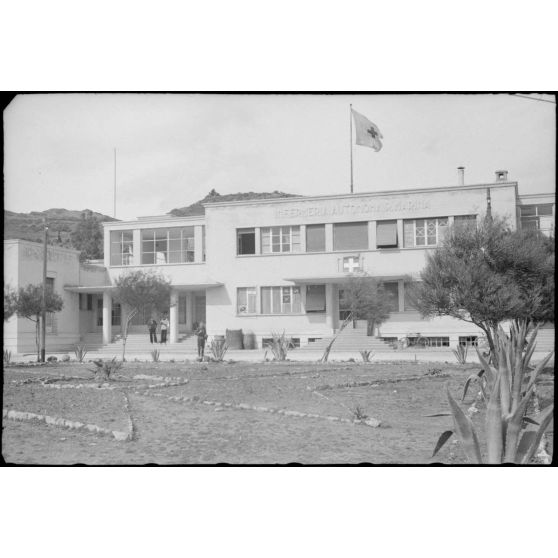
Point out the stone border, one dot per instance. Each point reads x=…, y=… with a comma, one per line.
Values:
x=245, y=407
x=377, y=383
x=69, y=424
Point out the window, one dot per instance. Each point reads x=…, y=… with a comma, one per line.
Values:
x=99, y=312
x=315, y=238
x=281, y=300
x=351, y=264
x=386, y=234
x=537, y=217
x=464, y=222
x=315, y=298
x=89, y=302
x=438, y=341
x=280, y=239
x=392, y=290
x=162, y=246
x=468, y=341
x=350, y=236
x=408, y=298
x=246, y=300
x=203, y=243
x=121, y=248
x=116, y=314
x=424, y=232
x=245, y=241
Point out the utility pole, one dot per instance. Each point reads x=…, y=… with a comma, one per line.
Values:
x=43, y=309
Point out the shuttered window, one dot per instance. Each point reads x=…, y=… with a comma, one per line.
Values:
x=315, y=238
x=350, y=236
x=315, y=298
x=386, y=234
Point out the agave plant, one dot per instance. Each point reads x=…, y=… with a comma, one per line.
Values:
x=80, y=352
x=218, y=348
x=155, y=353
x=280, y=345
x=511, y=435
x=461, y=354
x=106, y=368
x=365, y=354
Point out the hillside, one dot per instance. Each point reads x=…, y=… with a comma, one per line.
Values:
x=61, y=223
x=198, y=209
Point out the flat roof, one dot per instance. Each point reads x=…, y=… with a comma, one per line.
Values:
x=406, y=191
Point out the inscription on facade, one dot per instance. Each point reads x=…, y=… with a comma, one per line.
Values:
x=35, y=253
x=363, y=208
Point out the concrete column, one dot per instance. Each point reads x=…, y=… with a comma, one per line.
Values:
x=303, y=238
x=189, y=310
x=198, y=244
x=329, y=237
x=173, y=316
x=136, y=260
x=329, y=306
x=107, y=317
x=371, y=235
x=258, y=240
x=400, y=233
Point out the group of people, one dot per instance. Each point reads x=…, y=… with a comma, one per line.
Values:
x=200, y=332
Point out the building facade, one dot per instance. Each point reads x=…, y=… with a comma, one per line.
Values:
x=277, y=265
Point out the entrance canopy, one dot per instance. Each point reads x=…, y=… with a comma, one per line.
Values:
x=343, y=278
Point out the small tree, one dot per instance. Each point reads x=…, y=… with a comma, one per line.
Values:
x=138, y=291
x=366, y=299
x=490, y=274
x=10, y=300
x=29, y=304
x=88, y=237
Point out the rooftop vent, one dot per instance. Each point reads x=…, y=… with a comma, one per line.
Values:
x=501, y=176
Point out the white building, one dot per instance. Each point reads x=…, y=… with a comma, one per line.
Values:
x=278, y=265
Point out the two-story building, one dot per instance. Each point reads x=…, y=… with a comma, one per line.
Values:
x=277, y=265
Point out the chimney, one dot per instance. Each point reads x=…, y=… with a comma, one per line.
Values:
x=501, y=176
x=461, y=176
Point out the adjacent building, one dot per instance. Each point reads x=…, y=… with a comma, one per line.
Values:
x=276, y=265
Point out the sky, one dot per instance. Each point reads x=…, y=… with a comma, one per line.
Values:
x=171, y=149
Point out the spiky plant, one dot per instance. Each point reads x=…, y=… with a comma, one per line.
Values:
x=511, y=435
x=155, y=353
x=106, y=368
x=280, y=345
x=218, y=348
x=365, y=354
x=7, y=357
x=80, y=352
x=461, y=354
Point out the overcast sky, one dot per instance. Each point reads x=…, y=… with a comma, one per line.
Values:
x=173, y=149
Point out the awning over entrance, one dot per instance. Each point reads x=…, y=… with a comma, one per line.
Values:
x=343, y=278
x=88, y=290
x=198, y=286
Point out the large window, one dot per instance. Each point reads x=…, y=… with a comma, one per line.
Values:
x=386, y=234
x=537, y=217
x=315, y=298
x=280, y=239
x=392, y=291
x=245, y=241
x=161, y=246
x=121, y=247
x=409, y=299
x=281, y=300
x=464, y=222
x=246, y=300
x=424, y=232
x=116, y=314
x=350, y=236
x=315, y=238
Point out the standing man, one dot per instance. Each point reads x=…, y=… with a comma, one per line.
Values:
x=201, y=332
x=164, y=329
x=152, y=326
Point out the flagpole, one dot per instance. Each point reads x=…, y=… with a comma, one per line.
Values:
x=351, y=141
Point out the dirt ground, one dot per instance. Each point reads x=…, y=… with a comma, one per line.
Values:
x=203, y=422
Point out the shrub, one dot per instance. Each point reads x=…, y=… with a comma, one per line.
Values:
x=280, y=345
x=106, y=368
x=511, y=435
x=366, y=355
x=155, y=355
x=218, y=348
x=461, y=354
x=359, y=414
x=7, y=357
x=80, y=352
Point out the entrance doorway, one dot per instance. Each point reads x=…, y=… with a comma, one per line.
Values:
x=199, y=308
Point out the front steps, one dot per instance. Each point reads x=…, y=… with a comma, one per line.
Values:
x=350, y=339
x=139, y=343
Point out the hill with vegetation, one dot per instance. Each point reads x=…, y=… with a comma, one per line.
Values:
x=213, y=196
x=61, y=224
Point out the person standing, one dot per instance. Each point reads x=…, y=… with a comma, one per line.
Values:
x=201, y=332
x=164, y=329
x=152, y=325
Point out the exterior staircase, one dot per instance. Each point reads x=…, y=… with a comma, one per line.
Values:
x=139, y=343
x=350, y=339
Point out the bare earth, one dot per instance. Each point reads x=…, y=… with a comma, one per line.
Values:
x=204, y=425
